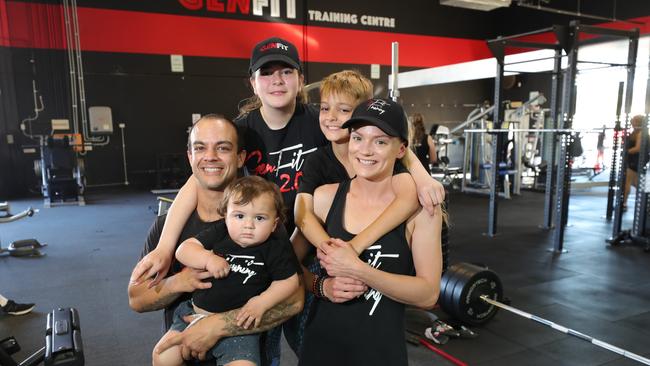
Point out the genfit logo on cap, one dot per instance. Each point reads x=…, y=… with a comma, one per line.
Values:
x=379, y=106
x=273, y=45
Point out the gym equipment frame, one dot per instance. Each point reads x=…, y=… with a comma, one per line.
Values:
x=567, y=39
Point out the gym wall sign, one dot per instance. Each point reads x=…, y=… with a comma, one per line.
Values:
x=348, y=18
x=245, y=7
x=274, y=9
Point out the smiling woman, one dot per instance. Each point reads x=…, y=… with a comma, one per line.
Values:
x=369, y=329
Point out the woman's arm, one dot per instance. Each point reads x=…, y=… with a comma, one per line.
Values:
x=403, y=206
x=420, y=290
x=430, y=192
x=433, y=154
x=157, y=262
x=335, y=289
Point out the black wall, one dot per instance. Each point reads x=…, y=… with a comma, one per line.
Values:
x=156, y=105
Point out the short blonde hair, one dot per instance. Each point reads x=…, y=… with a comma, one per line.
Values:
x=347, y=82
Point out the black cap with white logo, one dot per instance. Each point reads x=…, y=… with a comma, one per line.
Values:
x=385, y=114
x=274, y=50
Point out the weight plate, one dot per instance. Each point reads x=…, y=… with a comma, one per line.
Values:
x=465, y=273
x=460, y=293
x=445, y=283
x=471, y=308
x=455, y=273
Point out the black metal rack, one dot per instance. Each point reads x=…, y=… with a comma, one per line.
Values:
x=568, y=39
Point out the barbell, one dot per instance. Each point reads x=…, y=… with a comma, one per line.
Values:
x=471, y=294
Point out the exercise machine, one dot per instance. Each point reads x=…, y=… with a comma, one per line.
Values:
x=63, y=345
x=19, y=248
x=61, y=170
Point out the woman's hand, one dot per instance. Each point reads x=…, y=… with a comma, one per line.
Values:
x=342, y=289
x=338, y=258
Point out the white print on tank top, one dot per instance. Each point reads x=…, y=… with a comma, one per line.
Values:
x=375, y=263
x=246, y=261
x=296, y=155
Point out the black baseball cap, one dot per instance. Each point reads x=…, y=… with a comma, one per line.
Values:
x=274, y=49
x=385, y=114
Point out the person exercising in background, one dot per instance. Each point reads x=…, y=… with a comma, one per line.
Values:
x=11, y=307
x=633, y=146
x=422, y=143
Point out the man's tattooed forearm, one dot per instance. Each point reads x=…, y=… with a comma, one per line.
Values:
x=274, y=316
x=160, y=303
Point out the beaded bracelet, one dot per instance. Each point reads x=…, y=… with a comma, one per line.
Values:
x=314, y=285
x=321, y=285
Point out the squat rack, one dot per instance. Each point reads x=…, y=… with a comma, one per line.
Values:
x=568, y=39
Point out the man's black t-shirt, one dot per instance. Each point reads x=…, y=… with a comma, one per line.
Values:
x=279, y=155
x=252, y=269
x=193, y=226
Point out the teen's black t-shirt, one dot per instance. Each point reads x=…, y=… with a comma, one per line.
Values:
x=252, y=269
x=279, y=155
x=322, y=167
x=368, y=330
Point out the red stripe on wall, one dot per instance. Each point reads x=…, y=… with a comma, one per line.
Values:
x=106, y=30
x=4, y=25
x=150, y=33
x=34, y=25
x=192, y=36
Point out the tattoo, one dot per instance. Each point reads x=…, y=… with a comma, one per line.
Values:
x=161, y=303
x=272, y=318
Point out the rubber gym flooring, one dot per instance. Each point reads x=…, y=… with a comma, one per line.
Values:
x=598, y=290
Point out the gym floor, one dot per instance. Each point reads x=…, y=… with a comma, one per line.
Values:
x=599, y=290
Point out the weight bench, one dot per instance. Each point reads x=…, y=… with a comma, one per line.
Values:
x=19, y=248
